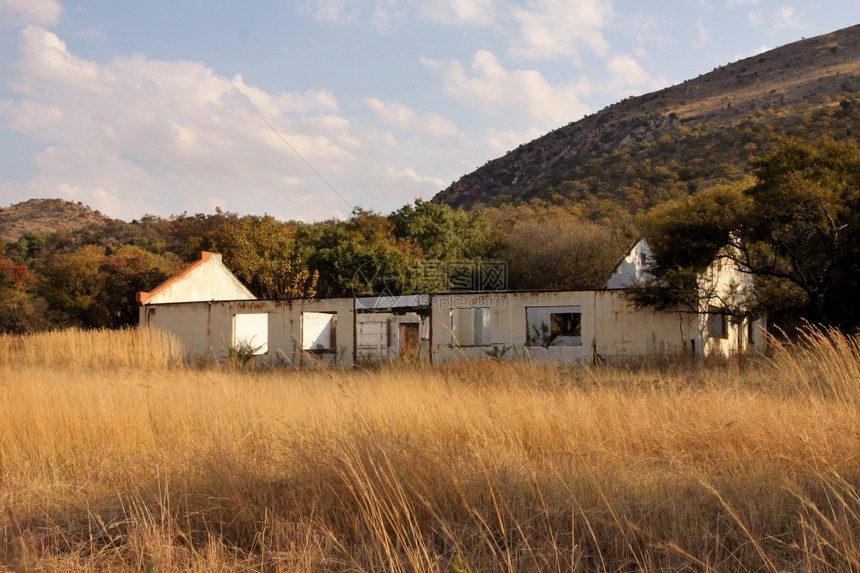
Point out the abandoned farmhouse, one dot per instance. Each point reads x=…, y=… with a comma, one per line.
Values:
x=209, y=310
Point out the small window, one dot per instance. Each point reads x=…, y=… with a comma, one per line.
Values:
x=554, y=326
x=566, y=323
x=470, y=327
x=251, y=333
x=319, y=331
x=718, y=323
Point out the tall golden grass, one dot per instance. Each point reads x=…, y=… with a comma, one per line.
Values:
x=742, y=465
x=76, y=348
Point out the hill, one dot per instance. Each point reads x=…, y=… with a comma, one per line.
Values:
x=673, y=142
x=46, y=216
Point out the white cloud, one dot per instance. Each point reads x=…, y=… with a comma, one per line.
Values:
x=461, y=12
x=381, y=15
x=436, y=125
x=787, y=17
x=703, y=34
x=24, y=12
x=96, y=34
x=45, y=57
x=551, y=28
x=628, y=77
x=331, y=11
x=122, y=135
x=646, y=28
x=32, y=116
x=410, y=174
x=404, y=118
x=627, y=70
x=522, y=95
x=394, y=113
x=134, y=136
x=760, y=50
x=755, y=17
x=310, y=101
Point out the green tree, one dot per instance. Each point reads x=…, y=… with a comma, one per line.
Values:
x=795, y=228
x=71, y=283
x=185, y=235
x=801, y=237
x=360, y=256
x=687, y=236
x=96, y=287
x=125, y=271
x=262, y=252
x=442, y=233
x=28, y=247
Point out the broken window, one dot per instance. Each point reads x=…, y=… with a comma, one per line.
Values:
x=554, y=326
x=319, y=331
x=470, y=326
x=718, y=323
x=251, y=333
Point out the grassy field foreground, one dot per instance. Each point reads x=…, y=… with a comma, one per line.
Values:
x=113, y=456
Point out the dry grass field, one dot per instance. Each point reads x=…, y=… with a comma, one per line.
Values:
x=115, y=457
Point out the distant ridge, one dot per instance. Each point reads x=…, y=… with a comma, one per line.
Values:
x=46, y=216
x=702, y=131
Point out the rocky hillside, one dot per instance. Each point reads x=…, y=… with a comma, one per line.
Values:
x=46, y=216
x=675, y=141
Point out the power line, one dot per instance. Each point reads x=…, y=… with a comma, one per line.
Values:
x=299, y=155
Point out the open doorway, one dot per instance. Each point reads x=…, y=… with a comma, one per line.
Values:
x=410, y=341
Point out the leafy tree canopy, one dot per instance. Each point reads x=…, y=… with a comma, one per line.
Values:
x=556, y=249
x=263, y=253
x=794, y=227
x=95, y=286
x=443, y=233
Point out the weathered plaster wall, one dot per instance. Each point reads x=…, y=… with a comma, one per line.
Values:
x=207, y=329
x=205, y=280
x=632, y=271
x=609, y=326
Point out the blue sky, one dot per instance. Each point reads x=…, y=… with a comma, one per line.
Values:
x=305, y=109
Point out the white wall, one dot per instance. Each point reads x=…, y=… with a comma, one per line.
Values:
x=208, y=329
x=610, y=326
x=633, y=269
x=205, y=280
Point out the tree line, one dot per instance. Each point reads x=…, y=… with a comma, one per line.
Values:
x=793, y=224
x=89, y=278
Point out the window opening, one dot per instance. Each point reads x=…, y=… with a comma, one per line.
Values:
x=554, y=326
x=470, y=326
x=718, y=323
x=319, y=331
x=251, y=333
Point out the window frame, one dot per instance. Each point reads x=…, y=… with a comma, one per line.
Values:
x=314, y=338
x=480, y=332
x=244, y=323
x=717, y=323
x=545, y=326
